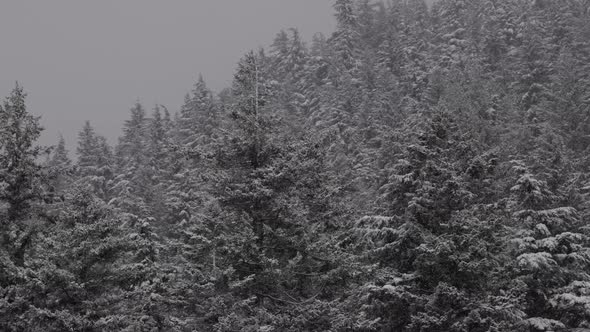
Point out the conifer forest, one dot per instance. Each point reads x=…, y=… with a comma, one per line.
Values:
x=423, y=168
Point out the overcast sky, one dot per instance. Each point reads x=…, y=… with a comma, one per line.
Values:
x=83, y=59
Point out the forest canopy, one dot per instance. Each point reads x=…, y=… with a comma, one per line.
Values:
x=423, y=168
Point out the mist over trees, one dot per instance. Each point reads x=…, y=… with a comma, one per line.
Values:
x=424, y=168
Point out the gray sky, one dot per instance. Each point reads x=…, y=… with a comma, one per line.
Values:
x=83, y=59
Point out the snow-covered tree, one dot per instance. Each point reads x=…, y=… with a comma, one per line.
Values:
x=95, y=161
x=19, y=170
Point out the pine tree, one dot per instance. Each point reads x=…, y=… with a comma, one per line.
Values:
x=416, y=45
x=20, y=174
x=60, y=169
x=346, y=38
x=157, y=165
x=294, y=94
x=268, y=190
x=60, y=155
x=132, y=142
x=19, y=170
x=131, y=186
x=95, y=162
x=435, y=245
x=551, y=250
x=198, y=117
x=87, y=146
x=280, y=49
x=21, y=193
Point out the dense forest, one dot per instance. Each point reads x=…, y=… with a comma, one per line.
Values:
x=421, y=169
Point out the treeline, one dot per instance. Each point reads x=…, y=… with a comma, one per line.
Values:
x=421, y=169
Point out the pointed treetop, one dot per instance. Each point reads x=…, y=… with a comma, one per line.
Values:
x=280, y=45
x=60, y=155
x=19, y=130
x=345, y=14
x=200, y=90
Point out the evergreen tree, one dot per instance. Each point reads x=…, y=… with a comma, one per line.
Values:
x=198, y=116
x=95, y=161
x=346, y=38
x=60, y=169
x=269, y=190
x=21, y=194
x=131, y=186
x=19, y=170
x=60, y=155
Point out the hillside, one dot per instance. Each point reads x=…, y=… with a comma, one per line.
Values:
x=424, y=168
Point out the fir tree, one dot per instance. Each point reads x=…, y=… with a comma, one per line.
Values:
x=18, y=163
